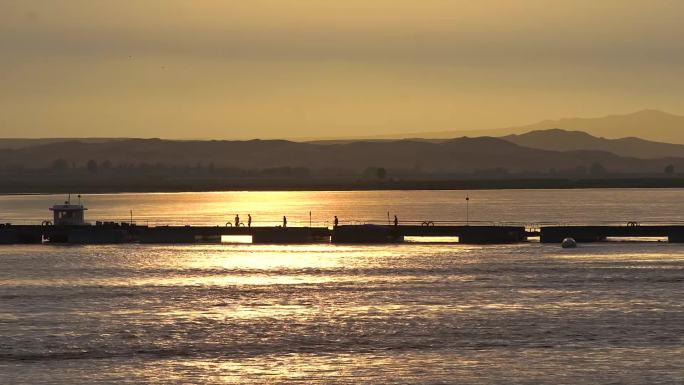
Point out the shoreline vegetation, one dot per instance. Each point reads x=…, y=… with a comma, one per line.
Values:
x=13, y=186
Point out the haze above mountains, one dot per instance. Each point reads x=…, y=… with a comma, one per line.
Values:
x=652, y=125
x=649, y=124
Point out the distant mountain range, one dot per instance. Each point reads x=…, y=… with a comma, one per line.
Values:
x=462, y=155
x=562, y=140
x=652, y=125
x=548, y=146
x=557, y=139
x=647, y=124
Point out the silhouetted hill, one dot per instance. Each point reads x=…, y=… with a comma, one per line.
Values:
x=462, y=155
x=563, y=140
x=647, y=124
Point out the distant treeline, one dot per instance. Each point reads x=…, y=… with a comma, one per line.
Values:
x=108, y=168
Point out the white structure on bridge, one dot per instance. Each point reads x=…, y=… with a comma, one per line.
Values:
x=68, y=214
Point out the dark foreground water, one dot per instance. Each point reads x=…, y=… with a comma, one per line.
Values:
x=415, y=314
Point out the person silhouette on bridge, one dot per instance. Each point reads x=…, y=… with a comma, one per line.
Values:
x=284, y=221
x=336, y=221
x=237, y=220
x=249, y=220
x=396, y=221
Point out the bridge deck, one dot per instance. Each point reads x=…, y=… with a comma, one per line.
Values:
x=122, y=233
x=555, y=234
x=125, y=233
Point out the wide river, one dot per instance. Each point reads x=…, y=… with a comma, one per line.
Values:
x=608, y=313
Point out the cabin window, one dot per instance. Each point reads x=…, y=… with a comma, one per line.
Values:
x=69, y=216
x=65, y=215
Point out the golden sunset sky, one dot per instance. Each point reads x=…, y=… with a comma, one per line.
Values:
x=323, y=68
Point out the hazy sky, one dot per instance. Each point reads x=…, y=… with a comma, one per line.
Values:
x=327, y=68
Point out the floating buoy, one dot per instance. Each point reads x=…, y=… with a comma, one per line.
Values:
x=568, y=243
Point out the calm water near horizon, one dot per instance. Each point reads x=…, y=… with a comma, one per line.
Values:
x=413, y=313
x=584, y=206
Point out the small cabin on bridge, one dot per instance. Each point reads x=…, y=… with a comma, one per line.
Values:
x=68, y=214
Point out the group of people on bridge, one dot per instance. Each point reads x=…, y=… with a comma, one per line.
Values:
x=336, y=221
x=238, y=223
x=249, y=221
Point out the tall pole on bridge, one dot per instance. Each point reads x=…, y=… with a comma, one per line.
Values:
x=467, y=212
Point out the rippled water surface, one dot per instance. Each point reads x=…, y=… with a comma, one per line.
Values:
x=609, y=313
